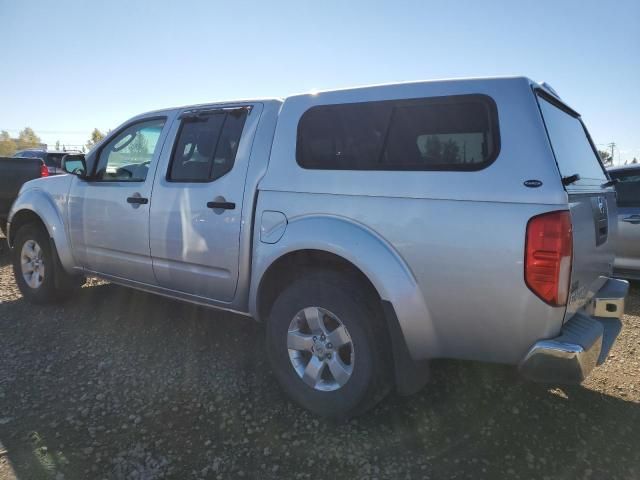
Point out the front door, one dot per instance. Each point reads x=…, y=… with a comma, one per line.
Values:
x=109, y=214
x=196, y=213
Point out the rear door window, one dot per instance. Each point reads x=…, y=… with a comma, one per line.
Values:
x=443, y=133
x=206, y=146
x=571, y=144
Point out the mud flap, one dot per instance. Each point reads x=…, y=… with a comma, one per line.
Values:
x=410, y=375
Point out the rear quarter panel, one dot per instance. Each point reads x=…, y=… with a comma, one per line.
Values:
x=466, y=257
x=460, y=234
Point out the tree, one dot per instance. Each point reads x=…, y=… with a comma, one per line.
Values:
x=635, y=160
x=139, y=146
x=96, y=137
x=433, y=149
x=450, y=152
x=7, y=145
x=57, y=144
x=606, y=157
x=27, y=138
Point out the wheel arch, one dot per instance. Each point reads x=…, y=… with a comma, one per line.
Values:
x=286, y=268
x=34, y=206
x=341, y=243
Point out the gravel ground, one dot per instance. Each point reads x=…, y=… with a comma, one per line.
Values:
x=125, y=385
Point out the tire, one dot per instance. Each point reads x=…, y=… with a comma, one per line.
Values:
x=363, y=362
x=40, y=286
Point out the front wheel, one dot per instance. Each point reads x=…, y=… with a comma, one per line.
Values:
x=34, y=267
x=328, y=345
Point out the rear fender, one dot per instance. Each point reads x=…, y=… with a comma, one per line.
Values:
x=367, y=251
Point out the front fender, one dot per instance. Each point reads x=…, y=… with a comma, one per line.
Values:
x=49, y=209
x=370, y=253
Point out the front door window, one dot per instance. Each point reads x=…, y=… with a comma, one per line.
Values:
x=127, y=156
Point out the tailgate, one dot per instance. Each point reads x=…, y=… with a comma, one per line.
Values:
x=594, y=220
x=591, y=203
x=14, y=172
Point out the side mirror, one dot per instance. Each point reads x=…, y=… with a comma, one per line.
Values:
x=75, y=165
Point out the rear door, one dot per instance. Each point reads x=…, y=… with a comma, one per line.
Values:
x=627, y=262
x=593, y=207
x=196, y=212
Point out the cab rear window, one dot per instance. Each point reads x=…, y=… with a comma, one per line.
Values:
x=443, y=133
x=53, y=160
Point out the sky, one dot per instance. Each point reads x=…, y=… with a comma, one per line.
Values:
x=70, y=65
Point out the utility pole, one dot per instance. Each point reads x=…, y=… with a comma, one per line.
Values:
x=612, y=145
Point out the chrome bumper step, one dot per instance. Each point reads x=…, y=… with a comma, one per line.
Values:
x=584, y=341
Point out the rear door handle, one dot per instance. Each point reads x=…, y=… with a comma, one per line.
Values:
x=222, y=205
x=632, y=219
x=138, y=200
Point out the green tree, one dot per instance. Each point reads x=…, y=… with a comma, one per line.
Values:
x=450, y=152
x=7, y=145
x=433, y=149
x=635, y=160
x=57, y=144
x=27, y=138
x=94, y=139
x=606, y=157
x=139, y=146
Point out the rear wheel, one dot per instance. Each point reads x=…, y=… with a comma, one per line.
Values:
x=35, y=268
x=328, y=345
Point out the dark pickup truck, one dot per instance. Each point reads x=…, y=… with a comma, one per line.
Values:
x=14, y=172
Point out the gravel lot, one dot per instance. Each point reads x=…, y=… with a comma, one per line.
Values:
x=121, y=384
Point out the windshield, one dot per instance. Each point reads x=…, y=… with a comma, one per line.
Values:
x=571, y=145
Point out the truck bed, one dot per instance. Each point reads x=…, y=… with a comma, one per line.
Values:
x=14, y=172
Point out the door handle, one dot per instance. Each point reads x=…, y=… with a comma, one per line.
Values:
x=632, y=219
x=221, y=205
x=137, y=200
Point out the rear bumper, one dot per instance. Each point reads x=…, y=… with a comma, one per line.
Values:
x=626, y=273
x=584, y=341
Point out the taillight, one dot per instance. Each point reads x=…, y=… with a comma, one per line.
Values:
x=548, y=251
x=44, y=171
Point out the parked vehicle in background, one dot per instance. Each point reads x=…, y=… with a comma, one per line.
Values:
x=373, y=229
x=627, y=263
x=14, y=172
x=51, y=158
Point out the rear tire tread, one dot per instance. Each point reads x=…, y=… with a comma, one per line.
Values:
x=365, y=322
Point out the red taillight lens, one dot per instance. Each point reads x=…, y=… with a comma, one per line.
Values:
x=44, y=171
x=548, y=251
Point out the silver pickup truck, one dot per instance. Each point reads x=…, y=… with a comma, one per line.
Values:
x=371, y=229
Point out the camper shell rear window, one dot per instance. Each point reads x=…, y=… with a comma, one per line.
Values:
x=571, y=143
